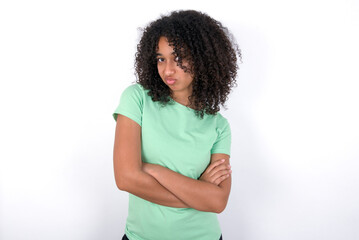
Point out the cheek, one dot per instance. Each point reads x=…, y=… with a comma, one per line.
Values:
x=159, y=70
x=189, y=77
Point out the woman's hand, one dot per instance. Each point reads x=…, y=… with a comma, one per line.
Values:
x=216, y=172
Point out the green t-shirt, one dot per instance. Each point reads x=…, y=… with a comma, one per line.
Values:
x=174, y=137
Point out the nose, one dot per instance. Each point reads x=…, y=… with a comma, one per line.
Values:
x=170, y=68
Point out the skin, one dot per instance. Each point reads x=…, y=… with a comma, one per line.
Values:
x=216, y=172
x=200, y=195
x=129, y=174
x=168, y=69
x=156, y=183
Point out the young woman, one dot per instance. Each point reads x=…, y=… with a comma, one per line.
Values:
x=172, y=147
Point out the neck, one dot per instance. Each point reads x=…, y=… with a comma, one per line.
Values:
x=182, y=99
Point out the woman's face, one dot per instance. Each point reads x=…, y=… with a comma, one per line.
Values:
x=179, y=81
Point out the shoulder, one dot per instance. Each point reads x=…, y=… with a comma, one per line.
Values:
x=221, y=121
x=222, y=125
x=135, y=91
x=134, y=88
x=131, y=104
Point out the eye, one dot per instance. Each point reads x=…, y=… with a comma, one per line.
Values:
x=160, y=60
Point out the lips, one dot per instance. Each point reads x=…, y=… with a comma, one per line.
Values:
x=170, y=81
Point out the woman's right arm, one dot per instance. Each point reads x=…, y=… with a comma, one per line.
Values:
x=127, y=161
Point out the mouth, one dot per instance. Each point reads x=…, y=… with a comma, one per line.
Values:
x=170, y=81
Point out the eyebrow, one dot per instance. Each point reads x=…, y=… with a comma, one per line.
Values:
x=160, y=54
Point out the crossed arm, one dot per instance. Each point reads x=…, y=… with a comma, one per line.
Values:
x=161, y=185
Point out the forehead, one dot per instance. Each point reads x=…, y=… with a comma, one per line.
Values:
x=164, y=47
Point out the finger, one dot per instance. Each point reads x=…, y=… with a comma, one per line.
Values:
x=221, y=173
x=208, y=174
x=214, y=164
x=221, y=179
x=221, y=167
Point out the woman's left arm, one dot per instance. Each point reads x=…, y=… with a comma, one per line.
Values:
x=197, y=194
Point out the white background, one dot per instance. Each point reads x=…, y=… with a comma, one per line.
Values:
x=294, y=116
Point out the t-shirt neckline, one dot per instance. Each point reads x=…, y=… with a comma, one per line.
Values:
x=181, y=105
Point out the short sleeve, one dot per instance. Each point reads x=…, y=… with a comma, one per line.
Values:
x=223, y=141
x=131, y=104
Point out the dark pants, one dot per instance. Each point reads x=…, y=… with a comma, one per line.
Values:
x=125, y=237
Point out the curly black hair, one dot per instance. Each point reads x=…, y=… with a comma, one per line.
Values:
x=205, y=43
